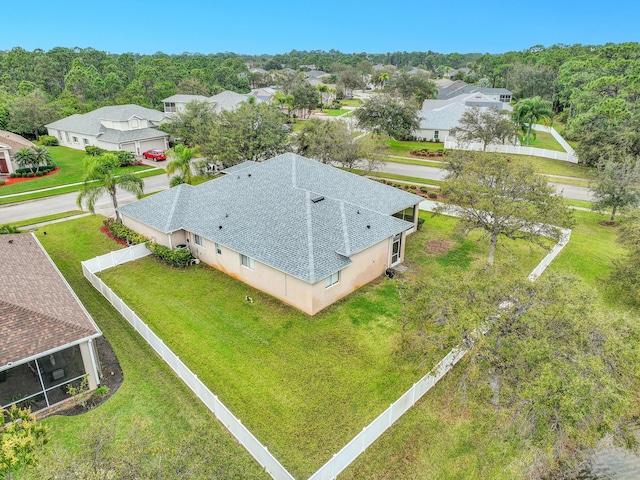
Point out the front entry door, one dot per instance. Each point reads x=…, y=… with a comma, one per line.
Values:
x=396, y=248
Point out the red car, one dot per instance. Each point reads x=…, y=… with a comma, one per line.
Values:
x=155, y=155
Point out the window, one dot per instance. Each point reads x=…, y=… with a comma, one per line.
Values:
x=505, y=98
x=406, y=214
x=169, y=107
x=75, y=139
x=198, y=239
x=134, y=123
x=332, y=280
x=218, y=249
x=85, y=141
x=246, y=261
x=436, y=134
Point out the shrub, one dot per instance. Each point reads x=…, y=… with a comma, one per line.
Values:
x=48, y=141
x=40, y=173
x=2, y=181
x=126, y=158
x=5, y=229
x=94, y=151
x=118, y=230
x=175, y=258
x=424, y=189
x=13, y=175
x=101, y=391
x=432, y=195
x=420, y=222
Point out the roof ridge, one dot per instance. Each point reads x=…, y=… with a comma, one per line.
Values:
x=312, y=273
x=173, y=208
x=345, y=230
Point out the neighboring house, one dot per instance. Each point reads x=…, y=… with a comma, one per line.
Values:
x=438, y=117
x=124, y=127
x=226, y=100
x=418, y=71
x=462, y=71
x=459, y=87
x=301, y=231
x=176, y=103
x=10, y=143
x=264, y=94
x=47, y=335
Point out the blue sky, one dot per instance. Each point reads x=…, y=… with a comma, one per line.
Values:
x=279, y=26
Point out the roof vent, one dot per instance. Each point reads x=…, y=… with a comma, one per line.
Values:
x=248, y=174
x=317, y=199
x=220, y=227
x=368, y=226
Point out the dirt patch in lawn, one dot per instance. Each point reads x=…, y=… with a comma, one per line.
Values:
x=438, y=247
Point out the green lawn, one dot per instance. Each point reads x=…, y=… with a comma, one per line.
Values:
x=48, y=218
x=303, y=385
x=353, y=102
x=336, y=113
x=542, y=140
x=71, y=163
x=395, y=147
x=152, y=404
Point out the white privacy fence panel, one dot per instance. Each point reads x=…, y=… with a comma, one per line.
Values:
x=224, y=415
x=515, y=149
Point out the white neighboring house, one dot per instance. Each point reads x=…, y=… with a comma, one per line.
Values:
x=226, y=100
x=123, y=127
x=439, y=117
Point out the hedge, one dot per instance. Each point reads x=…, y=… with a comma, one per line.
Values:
x=175, y=258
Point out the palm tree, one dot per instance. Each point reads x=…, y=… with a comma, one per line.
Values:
x=41, y=156
x=529, y=111
x=24, y=158
x=382, y=79
x=181, y=163
x=100, y=178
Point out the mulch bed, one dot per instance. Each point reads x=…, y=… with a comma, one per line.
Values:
x=12, y=181
x=104, y=229
x=605, y=223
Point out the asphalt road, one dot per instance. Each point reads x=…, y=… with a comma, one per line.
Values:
x=432, y=173
x=62, y=203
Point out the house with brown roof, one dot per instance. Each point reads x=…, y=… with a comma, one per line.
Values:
x=10, y=143
x=46, y=334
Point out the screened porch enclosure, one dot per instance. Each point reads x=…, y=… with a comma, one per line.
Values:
x=42, y=382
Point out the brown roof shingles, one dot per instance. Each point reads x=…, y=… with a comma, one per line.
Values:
x=38, y=310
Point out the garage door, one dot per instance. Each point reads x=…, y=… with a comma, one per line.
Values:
x=152, y=144
x=128, y=147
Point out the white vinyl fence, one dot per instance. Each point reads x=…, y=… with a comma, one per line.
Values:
x=567, y=156
x=351, y=450
x=233, y=424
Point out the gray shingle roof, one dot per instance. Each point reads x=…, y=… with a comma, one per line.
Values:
x=446, y=114
x=90, y=123
x=185, y=98
x=119, y=136
x=266, y=212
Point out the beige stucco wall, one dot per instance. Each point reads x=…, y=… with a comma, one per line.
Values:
x=365, y=267
x=88, y=365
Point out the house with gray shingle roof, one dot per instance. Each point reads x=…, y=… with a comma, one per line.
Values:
x=47, y=335
x=129, y=128
x=301, y=231
x=459, y=87
x=438, y=117
x=226, y=100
